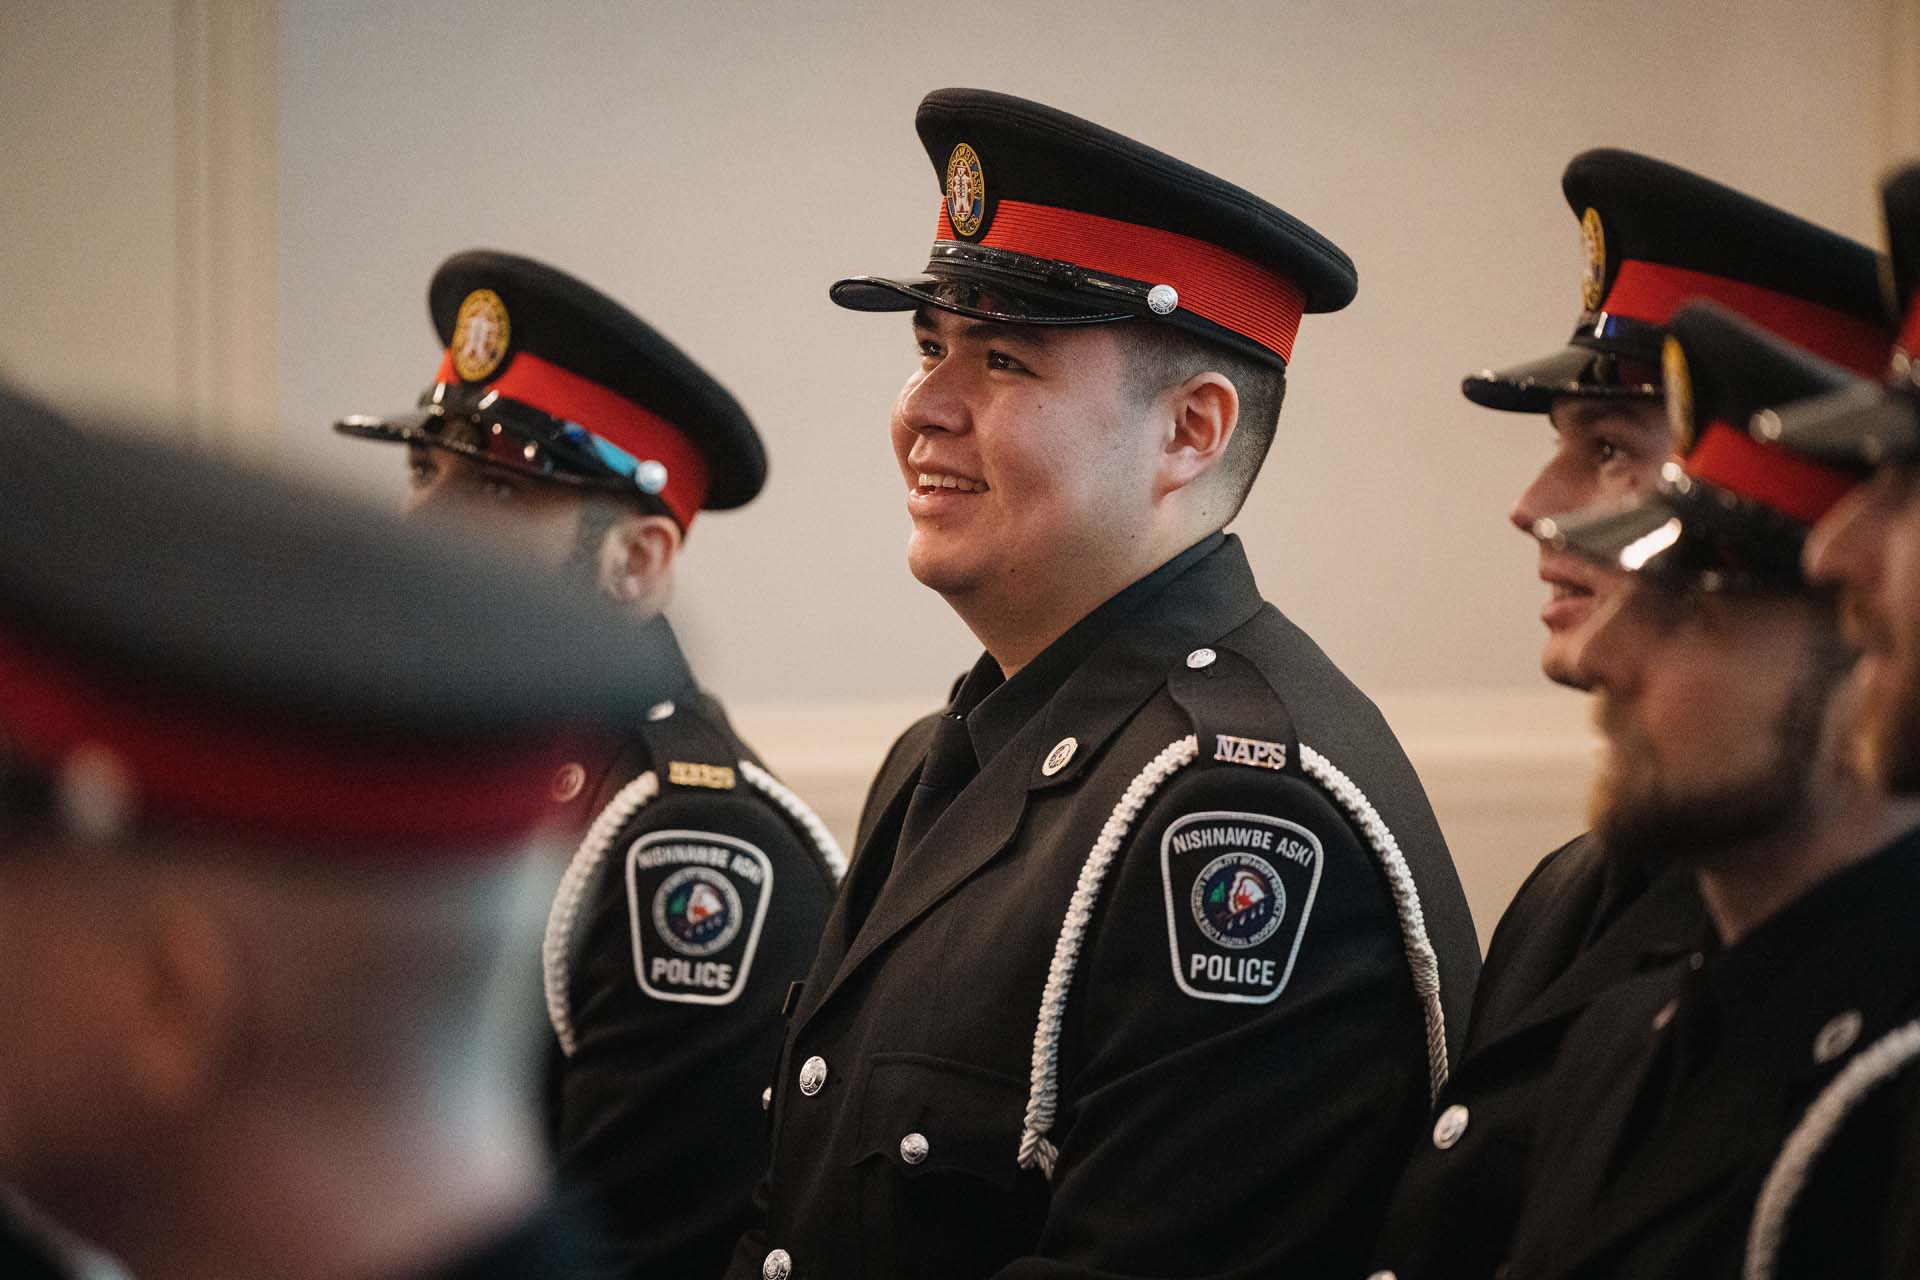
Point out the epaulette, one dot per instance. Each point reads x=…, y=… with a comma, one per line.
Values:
x=1238, y=717
x=689, y=752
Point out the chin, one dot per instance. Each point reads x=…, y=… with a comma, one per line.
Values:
x=937, y=572
x=1558, y=665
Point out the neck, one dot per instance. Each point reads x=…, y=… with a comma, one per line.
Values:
x=1842, y=825
x=1016, y=623
x=326, y=1191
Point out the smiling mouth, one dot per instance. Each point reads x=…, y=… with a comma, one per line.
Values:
x=934, y=480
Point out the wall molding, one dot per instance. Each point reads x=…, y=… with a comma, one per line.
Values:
x=226, y=222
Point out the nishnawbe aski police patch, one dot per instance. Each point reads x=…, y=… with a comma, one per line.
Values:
x=696, y=900
x=966, y=190
x=1239, y=889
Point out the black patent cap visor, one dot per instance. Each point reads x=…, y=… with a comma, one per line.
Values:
x=1625, y=369
x=513, y=438
x=1687, y=535
x=1862, y=426
x=979, y=301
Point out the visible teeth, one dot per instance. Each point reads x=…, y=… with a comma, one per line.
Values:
x=929, y=480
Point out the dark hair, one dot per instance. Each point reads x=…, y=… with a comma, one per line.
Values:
x=1160, y=357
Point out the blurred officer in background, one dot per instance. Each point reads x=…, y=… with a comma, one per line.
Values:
x=1582, y=922
x=567, y=431
x=1716, y=675
x=1152, y=949
x=1842, y=1195
x=272, y=768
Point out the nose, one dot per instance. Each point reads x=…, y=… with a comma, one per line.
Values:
x=932, y=400
x=1550, y=494
x=1845, y=546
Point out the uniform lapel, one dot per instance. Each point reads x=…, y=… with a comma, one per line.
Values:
x=1663, y=925
x=1204, y=603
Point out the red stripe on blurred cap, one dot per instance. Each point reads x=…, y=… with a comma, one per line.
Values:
x=1213, y=283
x=1733, y=460
x=1910, y=334
x=1653, y=291
x=561, y=393
x=279, y=782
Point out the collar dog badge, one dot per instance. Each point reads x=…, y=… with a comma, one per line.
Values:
x=966, y=191
x=480, y=334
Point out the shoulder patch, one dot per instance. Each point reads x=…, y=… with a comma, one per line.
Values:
x=1239, y=888
x=696, y=901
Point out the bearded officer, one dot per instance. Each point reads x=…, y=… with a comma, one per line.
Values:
x=1152, y=952
x=1840, y=1197
x=1717, y=676
x=572, y=434
x=265, y=899
x=1582, y=922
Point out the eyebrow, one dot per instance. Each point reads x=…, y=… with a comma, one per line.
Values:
x=1026, y=335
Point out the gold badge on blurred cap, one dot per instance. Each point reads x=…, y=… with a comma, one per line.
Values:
x=480, y=334
x=1593, y=237
x=1679, y=385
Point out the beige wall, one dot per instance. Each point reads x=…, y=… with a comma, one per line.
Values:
x=716, y=164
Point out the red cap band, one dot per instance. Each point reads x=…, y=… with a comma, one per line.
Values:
x=1735, y=461
x=561, y=393
x=1910, y=334
x=1651, y=292
x=1213, y=283
x=271, y=782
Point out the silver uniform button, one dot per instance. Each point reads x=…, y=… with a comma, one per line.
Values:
x=1201, y=658
x=1383, y=1275
x=778, y=1266
x=1448, y=1128
x=660, y=711
x=766, y=1098
x=914, y=1148
x=813, y=1075
x=1837, y=1036
x=1058, y=757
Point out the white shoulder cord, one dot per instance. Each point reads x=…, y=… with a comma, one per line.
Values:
x=1788, y=1177
x=1044, y=1080
x=1421, y=958
x=796, y=808
x=556, y=949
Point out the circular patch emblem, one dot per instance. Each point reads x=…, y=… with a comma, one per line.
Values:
x=1593, y=238
x=697, y=911
x=966, y=191
x=1238, y=900
x=1679, y=387
x=480, y=333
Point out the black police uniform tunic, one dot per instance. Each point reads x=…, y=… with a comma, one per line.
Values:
x=1241, y=1058
x=684, y=917
x=1578, y=926
x=1675, y=1091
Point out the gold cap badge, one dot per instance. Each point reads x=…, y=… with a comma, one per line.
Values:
x=1593, y=237
x=966, y=191
x=1679, y=385
x=480, y=334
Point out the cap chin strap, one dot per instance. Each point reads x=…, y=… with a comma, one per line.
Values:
x=1043, y=1098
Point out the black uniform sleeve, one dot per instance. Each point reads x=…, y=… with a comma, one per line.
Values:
x=1246, y=1066
x=709, y=907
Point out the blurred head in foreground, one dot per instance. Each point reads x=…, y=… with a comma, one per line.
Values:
x=270, y=776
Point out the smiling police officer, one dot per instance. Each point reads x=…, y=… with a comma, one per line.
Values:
x=569, y=432
x=1582, y=922
x=1152, y=952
